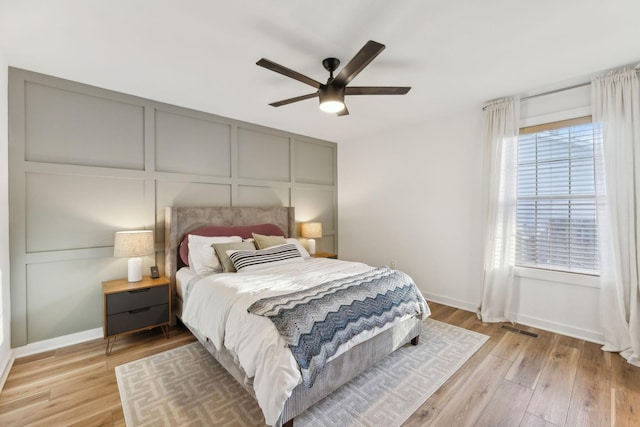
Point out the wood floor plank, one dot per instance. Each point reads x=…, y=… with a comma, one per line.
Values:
x=102, y=419
x=527, y=366
x=625, y=392
x=67, y=412
x=511, y=345
x=33, y=357
x=118, y=416
x=591, y=397
x=493, y=330
x=83, y=380
x=530, y=420
x=19, y=416
x=58, y=371
x=552, y=395
x=68, y=408
x=453, y=316
x=506, y=407
x=471, y=399
x=472, y=323
x=8, y=405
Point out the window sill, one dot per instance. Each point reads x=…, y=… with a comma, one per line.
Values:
x=558, y=276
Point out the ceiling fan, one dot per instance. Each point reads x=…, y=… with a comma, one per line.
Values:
x=332, y=93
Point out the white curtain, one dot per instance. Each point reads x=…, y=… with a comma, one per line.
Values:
x=500, y=156
x=616, y=104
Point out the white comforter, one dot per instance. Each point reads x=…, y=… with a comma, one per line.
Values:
x=216, y=306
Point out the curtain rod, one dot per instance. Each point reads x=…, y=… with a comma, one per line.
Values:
x=551, y=92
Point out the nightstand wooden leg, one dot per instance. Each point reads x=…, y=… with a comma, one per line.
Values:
x=110, y=345
x=165, y=330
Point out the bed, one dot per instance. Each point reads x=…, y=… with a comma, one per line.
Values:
x=202, y=299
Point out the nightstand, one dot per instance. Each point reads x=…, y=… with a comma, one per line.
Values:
x=324, y=255
x=134, y=306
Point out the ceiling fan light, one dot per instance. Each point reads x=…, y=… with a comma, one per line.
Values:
x=331, y=106
x=331, y=98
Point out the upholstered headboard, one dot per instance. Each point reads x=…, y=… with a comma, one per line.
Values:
x=181, y=220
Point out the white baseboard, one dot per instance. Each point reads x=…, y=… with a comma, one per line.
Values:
x=58, y=342
x=559, y=328
x=6, y=368
x=555, y=327
x=462, y=305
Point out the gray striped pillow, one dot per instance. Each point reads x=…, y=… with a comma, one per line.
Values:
x=275, y=255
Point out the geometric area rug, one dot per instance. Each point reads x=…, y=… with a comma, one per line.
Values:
x=186, y=386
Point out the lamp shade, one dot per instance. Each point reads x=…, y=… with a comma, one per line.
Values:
x=133, y=243
x=311, y=230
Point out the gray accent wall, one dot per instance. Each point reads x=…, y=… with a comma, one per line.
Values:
x=86, y=162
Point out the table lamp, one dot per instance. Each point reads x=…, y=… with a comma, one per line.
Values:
x=134, y=244
x=311, y=231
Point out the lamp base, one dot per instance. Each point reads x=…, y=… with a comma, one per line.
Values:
x=311, y=244
x=134, y=273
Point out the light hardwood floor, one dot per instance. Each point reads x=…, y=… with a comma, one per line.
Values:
x=513, y=380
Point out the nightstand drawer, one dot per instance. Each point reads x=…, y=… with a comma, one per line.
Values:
x=139, y=298
x=137, y=319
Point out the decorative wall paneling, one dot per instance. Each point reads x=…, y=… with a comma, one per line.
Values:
x=86, y=162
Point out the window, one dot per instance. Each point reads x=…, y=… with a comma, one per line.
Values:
x=556, y=225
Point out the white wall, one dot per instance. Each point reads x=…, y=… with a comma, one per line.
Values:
x=5, y=338
x=412, y=196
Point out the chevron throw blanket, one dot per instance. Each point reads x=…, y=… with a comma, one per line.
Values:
x=316, y=321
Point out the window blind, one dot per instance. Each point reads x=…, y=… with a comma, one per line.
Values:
x=556, y=223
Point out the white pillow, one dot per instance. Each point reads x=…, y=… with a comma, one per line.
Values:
x=202, y=256
x=301, y=248
x=254, y=260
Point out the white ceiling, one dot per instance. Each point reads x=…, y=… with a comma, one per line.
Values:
x=201, y=54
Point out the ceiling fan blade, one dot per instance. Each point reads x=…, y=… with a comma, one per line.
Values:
x=376, y=90
x=292, y=100
x=367, y=54
x=343, y=112
x=270, y=65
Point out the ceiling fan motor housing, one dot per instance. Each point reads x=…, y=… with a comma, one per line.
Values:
x=331, y=93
